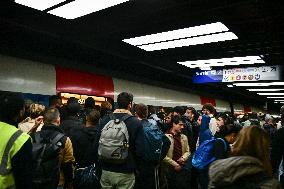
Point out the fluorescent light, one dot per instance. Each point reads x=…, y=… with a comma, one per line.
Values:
x=265, y=89
x=276, y=94
x=78, y=8
x=178, y=34
x=189, y=41
x=279, y=100
x=223, y=62
x=230, y=86
x=275, y=97
x=257, y=84
x=39, y=4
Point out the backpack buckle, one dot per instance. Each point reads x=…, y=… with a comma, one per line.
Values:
x=116, y=121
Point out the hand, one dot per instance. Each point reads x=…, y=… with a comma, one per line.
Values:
x=177, y=168
x=38, y=121
x=181, y=161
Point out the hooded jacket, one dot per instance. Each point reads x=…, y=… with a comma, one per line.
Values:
x=85, y=145
x=244, y=172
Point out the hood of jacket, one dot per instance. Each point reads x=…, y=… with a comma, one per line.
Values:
x=226, y=171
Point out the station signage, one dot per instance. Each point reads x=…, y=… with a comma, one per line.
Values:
x=238, y=74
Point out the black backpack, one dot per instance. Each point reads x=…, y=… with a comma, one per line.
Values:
x=46, y=159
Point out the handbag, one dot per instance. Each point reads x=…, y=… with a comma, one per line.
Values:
x=86, y=177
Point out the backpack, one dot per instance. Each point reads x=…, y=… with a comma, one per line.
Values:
x=114, y=141
x=204, y=154
x=45, y=153
x=153, y=141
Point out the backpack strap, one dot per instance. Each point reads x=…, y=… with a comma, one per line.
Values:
x=127, y=116
x=225, y=144
x=57, y=138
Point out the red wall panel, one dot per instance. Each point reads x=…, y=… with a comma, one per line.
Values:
x=72, y=81
x=247, y=109
x=205, y=100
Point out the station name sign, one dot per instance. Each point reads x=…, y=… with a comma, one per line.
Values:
x=238, y=74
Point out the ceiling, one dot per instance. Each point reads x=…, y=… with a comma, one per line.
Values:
x=94, y=42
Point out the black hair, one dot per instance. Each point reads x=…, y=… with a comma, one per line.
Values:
x=151, y=109
x=227, y=117
x=124, y=99
x=179, y=110
x=90, y=102
x=10, y=106
x=228, y=129
x=176, y=119
x=73, y=108
x=53, y=100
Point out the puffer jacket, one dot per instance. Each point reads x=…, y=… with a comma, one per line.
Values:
x=244, y=172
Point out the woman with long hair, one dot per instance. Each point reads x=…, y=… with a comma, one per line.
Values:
x=249, y=167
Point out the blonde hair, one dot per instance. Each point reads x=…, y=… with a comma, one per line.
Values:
x=36, y=110
x=254, y=141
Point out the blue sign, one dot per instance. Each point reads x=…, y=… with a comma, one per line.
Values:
x=208, y=76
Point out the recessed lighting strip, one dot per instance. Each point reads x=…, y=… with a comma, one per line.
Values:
x=189, y=41
x=265, y=90
x=279, y=100
x=277, y=97
x=79, y=8
x=258, y=84
x=223, y=62
x=39, y=4
x=178, y=34
x=275, y=94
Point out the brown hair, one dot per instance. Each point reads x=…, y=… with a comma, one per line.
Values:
x=106, y=105
x=209, y=107
x=254, y=141
x=142, y=110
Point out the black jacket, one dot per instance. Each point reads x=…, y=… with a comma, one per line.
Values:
x=277, y=152
x=85, y=146
x=69, y=124
x=136, y=146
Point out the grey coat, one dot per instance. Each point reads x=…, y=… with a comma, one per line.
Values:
x=244, y=172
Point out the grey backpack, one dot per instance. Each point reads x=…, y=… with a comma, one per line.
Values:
x=114, y=141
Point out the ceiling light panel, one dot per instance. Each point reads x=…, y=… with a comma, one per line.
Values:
x=279, y=100
x=265, y=90
x=178, y=34
x=39, y=4
x=189, y=41
x=79, y=8
x=274, y=94
x=223, y=62
x=256, y=84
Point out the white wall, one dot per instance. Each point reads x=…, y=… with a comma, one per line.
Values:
x=26, y=76
x=156, y=96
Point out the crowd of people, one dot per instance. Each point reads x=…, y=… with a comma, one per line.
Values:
x=135, y=146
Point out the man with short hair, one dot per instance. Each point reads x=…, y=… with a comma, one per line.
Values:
x=71, y=122
x=121, y=176
x=15, y=146
x=50, y=130
x=277, y=152
x=187, y=127
x=209, y=109
x=85, y=145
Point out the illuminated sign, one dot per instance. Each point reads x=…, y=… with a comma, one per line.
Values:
x=238, y=74
x=251, y=74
